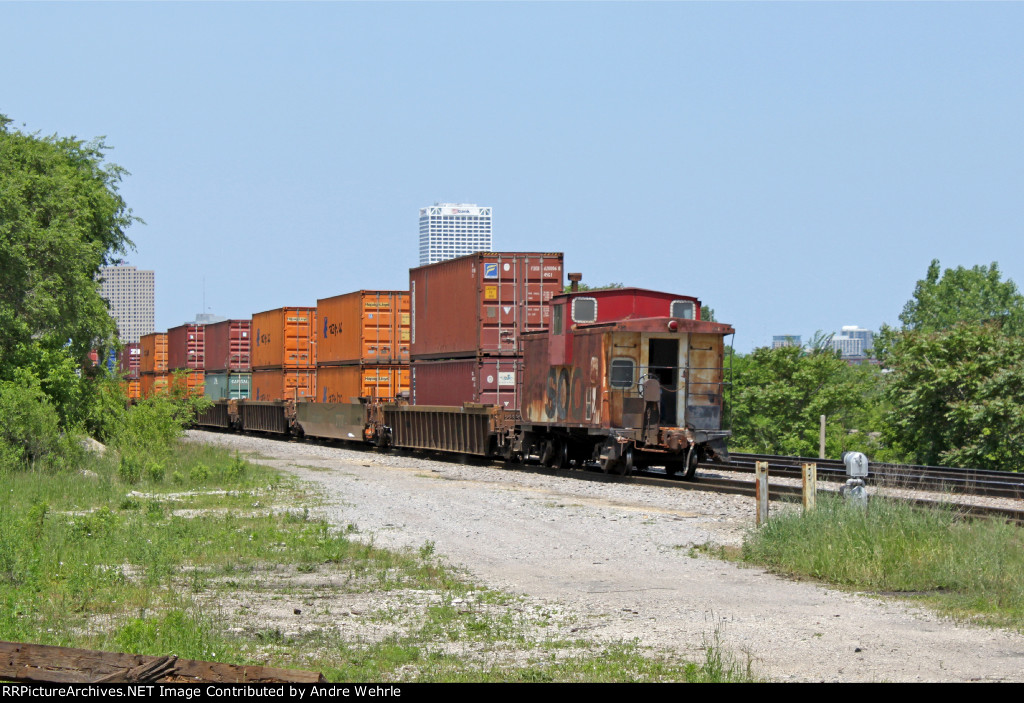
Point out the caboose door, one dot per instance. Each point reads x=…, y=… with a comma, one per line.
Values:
x=665, y=360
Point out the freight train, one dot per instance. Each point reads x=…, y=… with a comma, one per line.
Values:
x=622, y=378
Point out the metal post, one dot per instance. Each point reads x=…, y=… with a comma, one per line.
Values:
x=810, y=484
x=761, y=491
x=821, y=440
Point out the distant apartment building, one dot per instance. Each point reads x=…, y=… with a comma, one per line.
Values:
x=785, y=340
x=130, y=294
x=450, y=230
x=853, y=342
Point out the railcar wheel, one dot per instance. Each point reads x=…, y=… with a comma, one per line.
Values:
x=692, y=459
x=559, y=454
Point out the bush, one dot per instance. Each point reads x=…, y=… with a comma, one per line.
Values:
x=30, y=429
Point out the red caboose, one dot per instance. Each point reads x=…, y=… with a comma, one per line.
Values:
x=627, y=376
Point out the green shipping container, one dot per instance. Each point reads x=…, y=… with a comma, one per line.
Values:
x=224, y=386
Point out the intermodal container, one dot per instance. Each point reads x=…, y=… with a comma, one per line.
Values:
x=132, y=388
x=284, y=338
x=189, y=382
x=364, y=327
x=186, y=347
x=228, y=386
x=477, y=305
x=487, y=380
x=341, y=384
x=154, y=353
x=228, y=346
x=151, y=384
x=283, y=384
x=131, y=357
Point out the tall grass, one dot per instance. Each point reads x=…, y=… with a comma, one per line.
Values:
x=971, y=569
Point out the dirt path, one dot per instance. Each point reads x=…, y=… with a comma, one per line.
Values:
x=621, y=555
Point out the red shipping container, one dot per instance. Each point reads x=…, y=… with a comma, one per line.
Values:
x=477, y=305
x=284, y=338
x=487, y=380
x=154, y=354
x=283, y=384
x=228, y=346
x=131, y=361
x=185, y=347
x=367, y=326
x=340, y=384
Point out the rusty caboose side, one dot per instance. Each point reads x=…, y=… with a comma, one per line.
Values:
x=628, y=377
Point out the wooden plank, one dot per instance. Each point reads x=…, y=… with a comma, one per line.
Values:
x=44, y=663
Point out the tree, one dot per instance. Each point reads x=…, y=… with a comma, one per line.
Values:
x=963, y=295
x=61, y=218
x=778, y=396
x=958, y=396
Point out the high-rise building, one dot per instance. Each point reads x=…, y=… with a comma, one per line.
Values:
x=785, y=340
x=130, y=295
x=449, y=230
x=854, y=342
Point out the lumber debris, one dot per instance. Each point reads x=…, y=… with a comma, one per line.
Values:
x=46, y=664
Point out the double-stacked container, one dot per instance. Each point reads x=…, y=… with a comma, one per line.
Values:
x=283, y=353
x=229, y=359
x=186, y=355
x=129, y=366
x=467, y=317
x=363, y=346
x=153, y=376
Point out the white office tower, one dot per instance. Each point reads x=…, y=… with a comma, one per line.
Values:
x=449, y=230
x=130, y=295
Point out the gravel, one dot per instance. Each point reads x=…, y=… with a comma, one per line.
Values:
x=627, y=560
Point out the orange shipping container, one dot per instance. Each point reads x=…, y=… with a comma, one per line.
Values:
x=283, y=384
x=284, y=338
x=191, y=382
x=340, y=384
x=132, y=389
x=151, y=384
x=154, y=353
x=368, y=326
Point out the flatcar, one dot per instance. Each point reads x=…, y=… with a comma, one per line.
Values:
x=624, y=378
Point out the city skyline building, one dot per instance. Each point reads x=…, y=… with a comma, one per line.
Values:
x=130, y=294
x=450, y=230
x=786, y=340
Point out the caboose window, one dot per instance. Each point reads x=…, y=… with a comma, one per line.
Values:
x=682, y=308
x=584, y=310
x=622, y=373
x=557, y=312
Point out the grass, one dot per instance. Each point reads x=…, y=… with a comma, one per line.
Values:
x=971, y=570
x=203, y=555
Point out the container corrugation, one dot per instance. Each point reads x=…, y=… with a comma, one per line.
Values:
x=367, y=326
x=132, y=388
x=487, y=380
x=477, y=305
x=151, y=384
x=228, y=386
x=228, y=346
x=284, y=338
x=154, y=353
x=283, y=384
x=130, y=363
x=186, y=348
x=340, y=384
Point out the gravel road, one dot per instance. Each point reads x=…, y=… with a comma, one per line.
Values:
x=620, y=556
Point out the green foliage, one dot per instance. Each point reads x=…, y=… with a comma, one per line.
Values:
x=964, y=295
x=584, y=286
x=778, y=396
x=61, y=218
x=707, y=313
x=965, y=568
x=958, y=396
x=30, y=429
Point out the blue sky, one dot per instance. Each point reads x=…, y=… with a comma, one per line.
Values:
x=794, y=165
